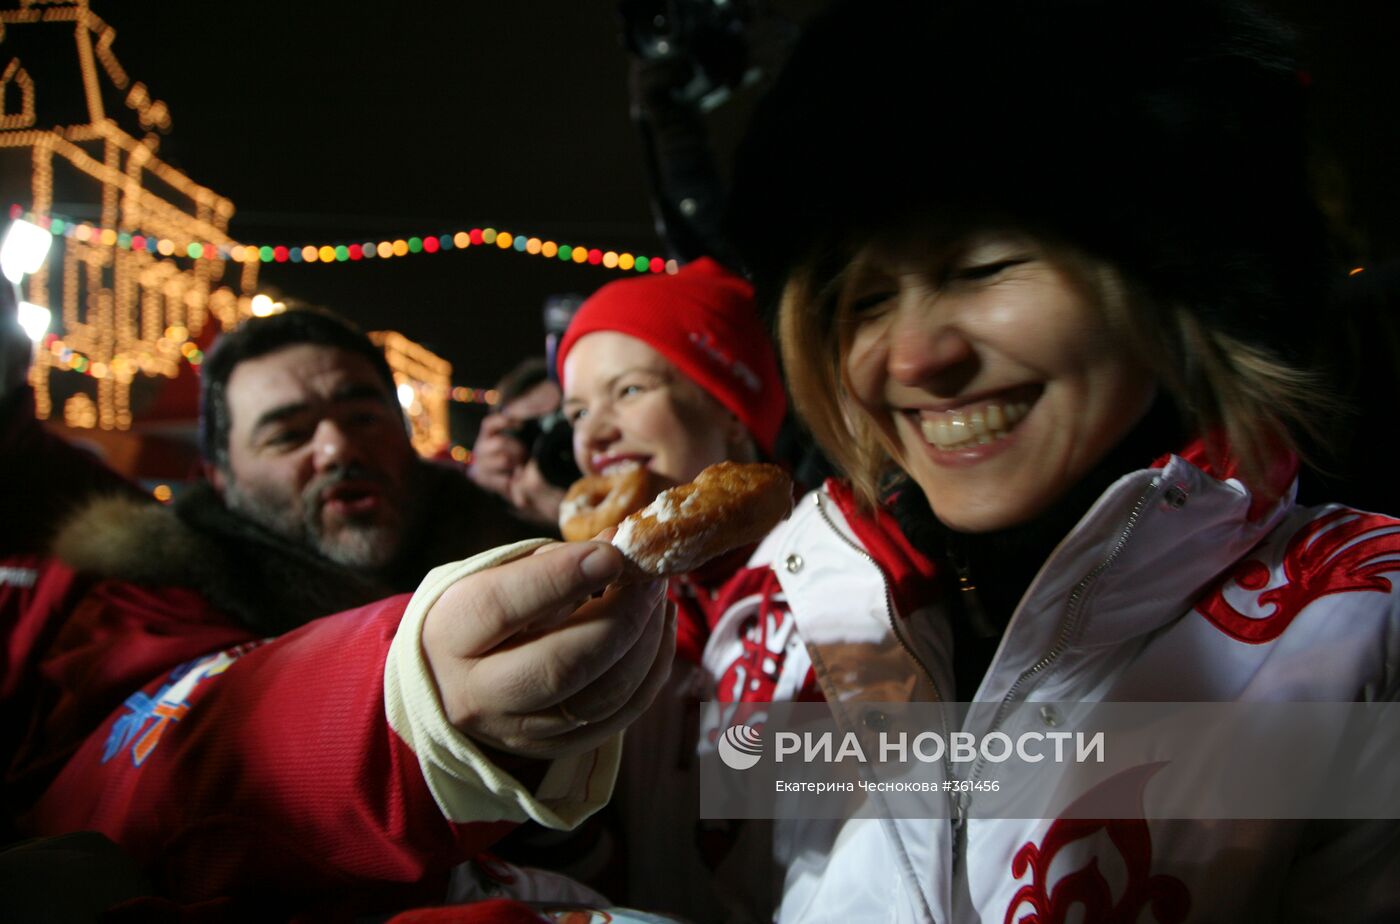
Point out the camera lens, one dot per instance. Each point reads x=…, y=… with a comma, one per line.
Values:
x=528, y=433
x=553, y=450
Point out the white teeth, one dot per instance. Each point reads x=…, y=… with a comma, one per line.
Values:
x=617, y=468
x=980, y=426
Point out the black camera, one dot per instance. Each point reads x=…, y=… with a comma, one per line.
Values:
x=550, y=440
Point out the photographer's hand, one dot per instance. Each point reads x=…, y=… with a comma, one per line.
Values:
x=497, y=455
x=534, y=497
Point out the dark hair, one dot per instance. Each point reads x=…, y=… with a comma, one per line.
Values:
x=1163, y=139
x=528, y=373
x=259, y=336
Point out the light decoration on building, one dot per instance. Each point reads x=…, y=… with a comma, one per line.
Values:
x=116, y=307
x=263, y=306
x=384, y=249
x=424, y=382
x=23, y=249
x=34, y=320
x=463, y=395
x=434, y=390
x=125, y=307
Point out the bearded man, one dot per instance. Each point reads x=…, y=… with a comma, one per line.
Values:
x=238, y=690
x=314, y=500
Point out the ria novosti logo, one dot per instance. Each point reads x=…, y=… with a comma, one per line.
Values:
x=740, y=747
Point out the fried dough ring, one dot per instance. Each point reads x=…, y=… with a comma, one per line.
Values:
x=728, y=505
x=597, y=502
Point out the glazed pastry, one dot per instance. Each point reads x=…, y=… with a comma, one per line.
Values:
x=728, y=505
x=597, y=502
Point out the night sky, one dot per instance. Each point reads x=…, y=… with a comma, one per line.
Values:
x=325, y=125
x=335, y=122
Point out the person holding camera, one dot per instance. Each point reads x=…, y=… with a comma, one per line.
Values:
x=510, y=456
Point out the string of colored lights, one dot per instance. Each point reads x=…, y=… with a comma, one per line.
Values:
x=348, y=253
x=177, y=339
x=121, y=367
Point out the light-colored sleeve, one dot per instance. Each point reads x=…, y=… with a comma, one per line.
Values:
x=467, y=786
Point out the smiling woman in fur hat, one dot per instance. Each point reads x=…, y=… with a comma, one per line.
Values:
x=1047, y=271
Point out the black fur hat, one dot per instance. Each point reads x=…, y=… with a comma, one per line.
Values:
x=1165, y=136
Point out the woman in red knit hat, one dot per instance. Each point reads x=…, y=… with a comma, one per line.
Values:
x=674, y=373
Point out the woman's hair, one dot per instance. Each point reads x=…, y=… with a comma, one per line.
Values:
x=1160, y=140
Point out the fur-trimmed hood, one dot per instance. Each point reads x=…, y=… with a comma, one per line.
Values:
x=269, y=583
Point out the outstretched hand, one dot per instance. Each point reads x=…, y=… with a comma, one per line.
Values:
x=529, y=661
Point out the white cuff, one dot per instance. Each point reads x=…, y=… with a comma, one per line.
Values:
x=466, y=785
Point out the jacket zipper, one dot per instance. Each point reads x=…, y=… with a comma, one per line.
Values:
x=1073, y=614
x=899, y=636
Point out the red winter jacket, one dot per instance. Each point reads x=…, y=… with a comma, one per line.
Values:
x=223, y=764
x=266, y=770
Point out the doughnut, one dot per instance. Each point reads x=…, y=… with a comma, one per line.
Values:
x=596, y=502
x=728, y=505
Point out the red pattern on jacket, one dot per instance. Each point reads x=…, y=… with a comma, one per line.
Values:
x=1341, y=552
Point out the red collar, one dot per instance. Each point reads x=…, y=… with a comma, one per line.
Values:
x=1211, y=455
x=911, y=576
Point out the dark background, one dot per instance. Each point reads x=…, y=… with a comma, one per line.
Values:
x=331, y=122
x=336, y=122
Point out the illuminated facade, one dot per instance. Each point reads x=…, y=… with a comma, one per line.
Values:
x=122, y=313
x=134, y=292
x=425, y=386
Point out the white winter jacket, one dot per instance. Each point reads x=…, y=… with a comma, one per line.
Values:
x=1170, y=588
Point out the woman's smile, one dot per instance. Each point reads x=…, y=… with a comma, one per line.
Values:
x=991, y=373
x=975, y=423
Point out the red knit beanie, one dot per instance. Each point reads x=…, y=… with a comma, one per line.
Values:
x=703, y=320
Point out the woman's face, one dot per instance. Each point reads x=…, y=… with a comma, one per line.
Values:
x=628, y=403
x=990, y=371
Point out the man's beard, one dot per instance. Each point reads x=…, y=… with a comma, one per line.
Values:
x=361, y=541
